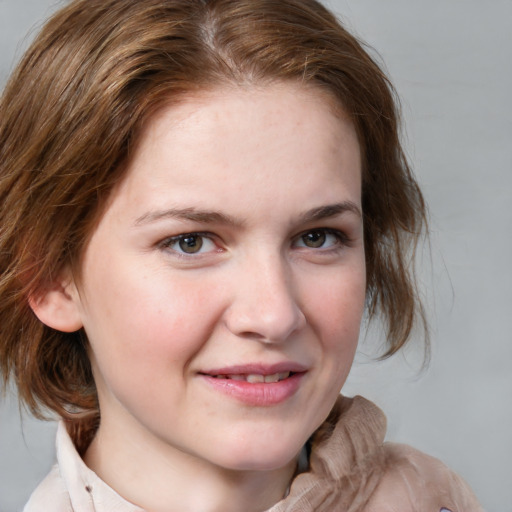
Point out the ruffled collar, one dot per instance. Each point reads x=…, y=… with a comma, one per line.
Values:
x=346, y=461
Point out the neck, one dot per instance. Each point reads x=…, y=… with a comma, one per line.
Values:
x=159, y=478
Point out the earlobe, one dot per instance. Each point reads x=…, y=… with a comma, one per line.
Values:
x=58, y=307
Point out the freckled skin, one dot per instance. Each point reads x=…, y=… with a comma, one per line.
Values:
x=257, y=291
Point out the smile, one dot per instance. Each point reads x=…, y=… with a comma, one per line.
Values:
x=256, y=385
x=255, y=378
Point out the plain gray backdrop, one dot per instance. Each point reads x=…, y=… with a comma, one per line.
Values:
x=451, y=61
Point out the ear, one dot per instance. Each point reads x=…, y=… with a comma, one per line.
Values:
x=57, y=306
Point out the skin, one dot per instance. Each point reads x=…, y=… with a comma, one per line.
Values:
x=269, y=284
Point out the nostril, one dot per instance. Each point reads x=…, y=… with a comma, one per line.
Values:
x=268, y=318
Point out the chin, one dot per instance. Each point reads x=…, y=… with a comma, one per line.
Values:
x=263, y=455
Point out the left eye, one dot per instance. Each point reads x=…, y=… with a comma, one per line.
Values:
x=190, y=243
x=318, y=239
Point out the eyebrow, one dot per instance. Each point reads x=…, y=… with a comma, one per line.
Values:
x=330, y=210
x=191, y=214
x=216, y=217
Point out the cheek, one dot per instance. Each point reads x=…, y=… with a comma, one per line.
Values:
x=147, y=324
x=335, y=311
x=339, y=304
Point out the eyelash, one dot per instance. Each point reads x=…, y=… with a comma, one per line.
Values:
x=342, y=240
x=168, y=242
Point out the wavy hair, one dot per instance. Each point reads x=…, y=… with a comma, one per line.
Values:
x=70, y=116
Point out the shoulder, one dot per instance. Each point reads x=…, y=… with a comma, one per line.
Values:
x=51, y=494
x=413, y=481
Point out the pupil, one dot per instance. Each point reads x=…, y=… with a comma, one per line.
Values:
x=191, y=244
x=314, y=239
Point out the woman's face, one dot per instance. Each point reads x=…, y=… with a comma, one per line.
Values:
x=223, y=289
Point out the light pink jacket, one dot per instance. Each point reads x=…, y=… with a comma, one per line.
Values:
x=351, y=469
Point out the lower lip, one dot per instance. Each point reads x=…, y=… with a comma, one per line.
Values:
x=259, y=394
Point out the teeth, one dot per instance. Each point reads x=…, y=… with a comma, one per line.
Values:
x=255, y=378
x=277, y=377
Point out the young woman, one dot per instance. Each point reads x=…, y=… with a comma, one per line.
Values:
x=198, y=201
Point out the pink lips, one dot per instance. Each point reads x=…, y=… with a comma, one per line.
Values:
x=257, y=384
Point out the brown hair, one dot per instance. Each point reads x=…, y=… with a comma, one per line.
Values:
x=70, y=115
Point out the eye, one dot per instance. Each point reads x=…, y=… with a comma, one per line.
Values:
x=190, y=243
x=320, y=239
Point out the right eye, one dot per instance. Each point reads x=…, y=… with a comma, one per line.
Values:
x=190, y=243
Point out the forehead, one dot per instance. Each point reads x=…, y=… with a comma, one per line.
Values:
x=251, y=114
x=249, y=137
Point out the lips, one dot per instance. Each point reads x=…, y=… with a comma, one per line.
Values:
x=255, y=378
x=256, y=384
x=257, y=373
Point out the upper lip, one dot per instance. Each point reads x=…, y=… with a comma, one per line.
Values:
x=257, y=369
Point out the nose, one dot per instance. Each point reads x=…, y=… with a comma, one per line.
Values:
x=264, y=304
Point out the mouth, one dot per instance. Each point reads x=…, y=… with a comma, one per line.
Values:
x=256, y=378
x=257, y=384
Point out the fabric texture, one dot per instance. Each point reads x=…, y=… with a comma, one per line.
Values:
x=351, y=469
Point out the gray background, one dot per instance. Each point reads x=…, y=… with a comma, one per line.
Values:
x=451, y=61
